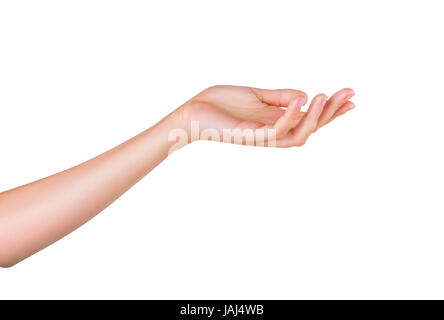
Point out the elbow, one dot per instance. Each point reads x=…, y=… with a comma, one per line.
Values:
x=6, y=265
x=8, y=256
x=6, y=262
x=7, y=259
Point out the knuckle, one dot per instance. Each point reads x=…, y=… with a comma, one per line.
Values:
x=210, y=89
x=311, y=127
x=299, y=142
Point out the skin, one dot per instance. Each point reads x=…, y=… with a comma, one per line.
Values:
x=37, y=214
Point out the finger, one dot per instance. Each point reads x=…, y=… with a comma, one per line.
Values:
x=333, y=104
x=290, y=118
x=279, y=97
x=310, y=121
x=342, y=110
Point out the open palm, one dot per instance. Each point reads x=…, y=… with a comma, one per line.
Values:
x=234, y=107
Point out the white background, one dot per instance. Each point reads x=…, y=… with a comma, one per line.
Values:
x=355, y=213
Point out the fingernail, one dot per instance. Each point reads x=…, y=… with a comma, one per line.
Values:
x=301, y=101
x=324, y=100
x=350, y=94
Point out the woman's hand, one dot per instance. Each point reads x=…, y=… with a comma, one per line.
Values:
x=66, y=200
x=222, y=108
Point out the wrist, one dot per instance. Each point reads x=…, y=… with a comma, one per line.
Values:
x=183, y=118
x=175, y=129
x=177, y=120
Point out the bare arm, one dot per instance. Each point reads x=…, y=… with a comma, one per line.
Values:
x=37, y=214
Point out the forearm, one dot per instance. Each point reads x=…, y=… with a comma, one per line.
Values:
x=37, y=214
